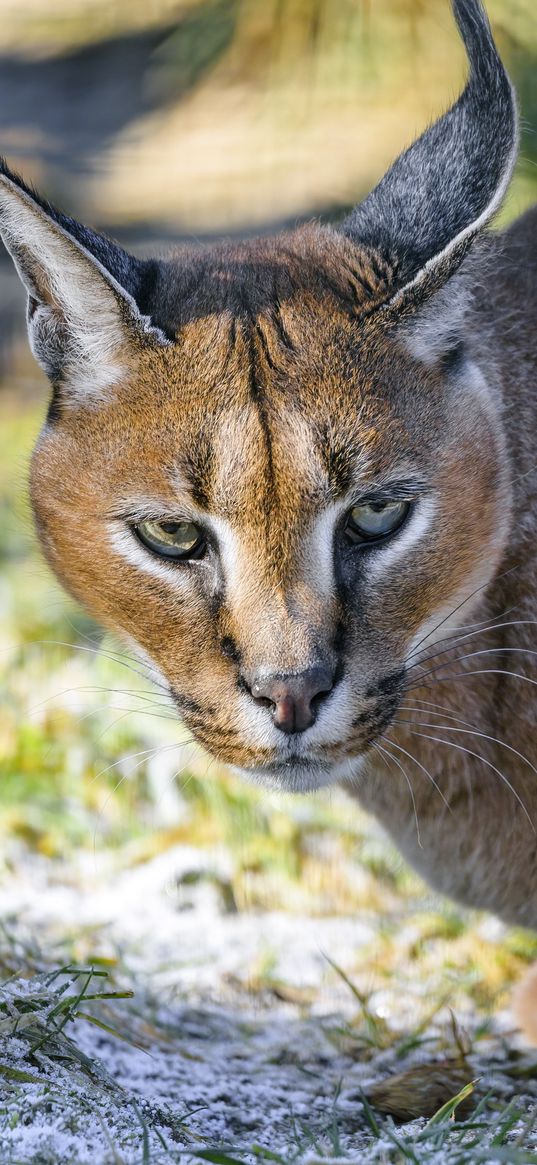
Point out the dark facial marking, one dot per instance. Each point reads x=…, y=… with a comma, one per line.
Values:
x=387, y=693
x=258, y=397
x=389, y=685
x=191, y=707
x=230, y=649
x=338, y=461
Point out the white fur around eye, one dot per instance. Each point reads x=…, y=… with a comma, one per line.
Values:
x=127, y=546
x=319, y=553
x=230, y=552
x=415, y=529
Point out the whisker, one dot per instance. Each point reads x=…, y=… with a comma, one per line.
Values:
x=114, y=657
x=428, y=710
x=481, y=625
x=170, y=779
x=426, y=707
x=144, y=752
x=128, y=712
x=117, y=786
x=149, y=697
x=473, y=655
x=469, y=635
x=478, y=756
x=460, y=605
x=110, y=707
x=179, y=772
x=388, y=756
x=124, y=713
x=462, y=675
x=522, y=476
x=96, y=642
x=472, y=732
x=424, y=770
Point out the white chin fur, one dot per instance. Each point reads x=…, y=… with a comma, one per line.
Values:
x=290, y=778
x=293, y=777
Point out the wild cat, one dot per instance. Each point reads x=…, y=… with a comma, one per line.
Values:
x=299, y=475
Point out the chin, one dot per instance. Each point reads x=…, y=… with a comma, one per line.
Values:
x=297, y=775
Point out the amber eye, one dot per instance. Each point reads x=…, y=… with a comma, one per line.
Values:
x=372, y=521
x=179, y=540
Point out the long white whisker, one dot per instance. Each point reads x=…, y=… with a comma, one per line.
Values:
x=388, y=756
x=461, y=675
x=144, y=752
x=129, y=712
x=472, y=655
x=91, y=689
x=462, y=631
x=151, y=751
x=460, y=605
x=472, y=732
x=478, y=756
x=115, y=658
x=424, y=770
x=456, y=639
x=425, y=705
x=427, y=708
x=124, y=713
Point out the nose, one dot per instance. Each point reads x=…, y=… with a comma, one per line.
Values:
x=294, y=698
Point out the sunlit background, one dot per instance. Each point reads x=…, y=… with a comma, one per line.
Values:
x=158, y=122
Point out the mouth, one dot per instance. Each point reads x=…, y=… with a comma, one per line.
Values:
x=294, y=773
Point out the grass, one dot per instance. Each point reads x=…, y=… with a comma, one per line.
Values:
x=43, y=1068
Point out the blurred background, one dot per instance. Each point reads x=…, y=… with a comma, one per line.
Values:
x=158, y=121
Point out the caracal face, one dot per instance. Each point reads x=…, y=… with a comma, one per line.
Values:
x=276, y=468
x=286, y=443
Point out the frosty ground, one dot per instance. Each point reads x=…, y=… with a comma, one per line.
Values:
x=247, y=1037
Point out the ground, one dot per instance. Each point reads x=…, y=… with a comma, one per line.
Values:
x=245, y=1037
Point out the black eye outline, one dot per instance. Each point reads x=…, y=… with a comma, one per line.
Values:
x=173, y=554
x=357, y=537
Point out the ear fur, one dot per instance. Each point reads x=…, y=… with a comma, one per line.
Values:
x=81, y=293
x=439, y=194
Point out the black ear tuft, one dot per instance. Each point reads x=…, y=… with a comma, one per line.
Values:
x=438, y=195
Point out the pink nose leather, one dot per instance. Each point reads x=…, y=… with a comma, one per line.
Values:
x=292, y=697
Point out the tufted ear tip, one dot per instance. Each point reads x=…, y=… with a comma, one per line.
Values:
x=441, y=192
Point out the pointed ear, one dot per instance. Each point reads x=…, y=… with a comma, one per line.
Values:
x=427, y=210
x=83, y=293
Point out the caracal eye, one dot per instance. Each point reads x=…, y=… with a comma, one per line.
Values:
x=179, y=540
x=372, y=521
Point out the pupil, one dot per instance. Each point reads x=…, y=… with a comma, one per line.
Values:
x=169, y=527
